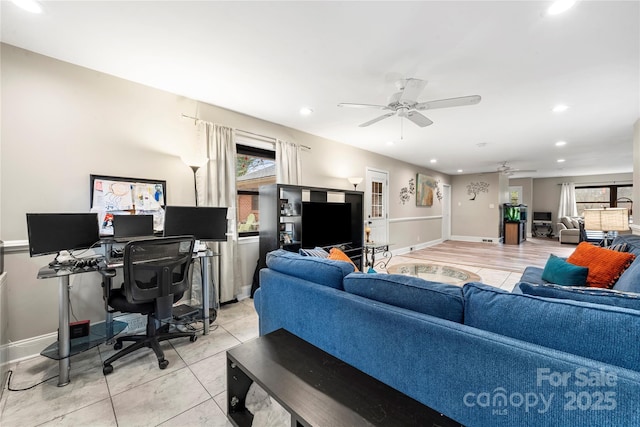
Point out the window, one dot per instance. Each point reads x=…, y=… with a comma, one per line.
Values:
x=254, y=167
x=608, y=196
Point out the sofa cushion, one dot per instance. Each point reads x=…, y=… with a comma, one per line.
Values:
x=318, y=270
x=600, y=332
x=567, y=222
x=577, y=293
x=532, y=274
x=605, y=266
x=432, y=298
x=559, y=271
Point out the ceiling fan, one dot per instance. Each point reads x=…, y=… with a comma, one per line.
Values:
x=404, y=103
x=508, y=170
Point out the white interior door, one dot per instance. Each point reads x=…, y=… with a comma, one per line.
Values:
x=446, y=212
x=377, y=200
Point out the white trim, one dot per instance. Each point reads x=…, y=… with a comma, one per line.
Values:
x=415, y=218
x=489, y=240
x=16, y=245
x=30, y=347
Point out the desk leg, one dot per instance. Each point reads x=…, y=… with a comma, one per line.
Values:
x=206, y=281
x=64, y=341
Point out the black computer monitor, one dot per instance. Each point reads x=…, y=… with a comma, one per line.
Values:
x=50, y=233
x=132, y=225
x=204, y=223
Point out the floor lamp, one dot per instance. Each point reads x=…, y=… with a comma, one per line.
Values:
x=606, y=220
x=195, y=164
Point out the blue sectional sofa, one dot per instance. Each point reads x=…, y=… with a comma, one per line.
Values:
x=477, y=354
x=629, y=281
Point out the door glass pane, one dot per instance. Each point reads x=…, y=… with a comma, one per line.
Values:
x=376, y=200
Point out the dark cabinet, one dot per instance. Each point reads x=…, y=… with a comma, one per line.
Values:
x=281, y=218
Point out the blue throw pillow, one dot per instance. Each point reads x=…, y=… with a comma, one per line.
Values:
x=599, y=332
x=559, y=271
x=592, y=295
x=435, y=299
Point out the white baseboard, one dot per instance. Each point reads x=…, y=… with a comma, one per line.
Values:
x=476, y=239
x=30, y=347
x=245, y=292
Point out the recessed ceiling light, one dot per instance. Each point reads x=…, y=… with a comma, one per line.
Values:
x=560, y=160
x=305, y=111
x=561, y=143
x=391, y=143
x=28, y=5
x=459, y=170
x=433, y=161
x=560, y=6
x=560, y=108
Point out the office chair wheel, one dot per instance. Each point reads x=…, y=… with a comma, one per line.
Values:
x=117, y=345
x=163, y=363
x=193, y=338
x=107, y=369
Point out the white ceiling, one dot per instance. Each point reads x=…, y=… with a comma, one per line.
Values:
x=268, y=59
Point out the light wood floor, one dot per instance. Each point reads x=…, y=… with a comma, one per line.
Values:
x=513, y=258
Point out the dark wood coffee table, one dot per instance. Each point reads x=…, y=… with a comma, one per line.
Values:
x=316, y=388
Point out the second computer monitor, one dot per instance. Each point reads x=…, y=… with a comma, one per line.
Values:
x=132, y=226
x=204, y=223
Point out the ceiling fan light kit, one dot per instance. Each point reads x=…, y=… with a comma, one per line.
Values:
x=404, y=103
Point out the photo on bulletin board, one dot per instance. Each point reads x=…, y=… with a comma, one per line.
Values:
x=114, y=195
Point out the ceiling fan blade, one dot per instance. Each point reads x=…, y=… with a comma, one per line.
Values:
x=349, y=104
x=412, y=89
x=446, y=103
x=418, y=119
x=377, y=119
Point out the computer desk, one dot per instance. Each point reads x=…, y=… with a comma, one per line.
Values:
x=62, y=349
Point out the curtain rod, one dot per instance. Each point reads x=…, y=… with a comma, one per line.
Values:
x=602, y=183
x=268, y=138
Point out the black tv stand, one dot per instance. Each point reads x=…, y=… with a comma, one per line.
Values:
x=281, y=218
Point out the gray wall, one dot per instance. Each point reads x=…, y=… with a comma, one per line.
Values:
x=477, y=219
x=61, y=123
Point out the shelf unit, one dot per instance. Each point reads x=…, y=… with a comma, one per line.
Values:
x=281, y=214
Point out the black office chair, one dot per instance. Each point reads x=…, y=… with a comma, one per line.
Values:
x=155, y=276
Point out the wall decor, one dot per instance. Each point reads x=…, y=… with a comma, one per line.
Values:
x=406, y=192
x=474, y=188
x=425, y=189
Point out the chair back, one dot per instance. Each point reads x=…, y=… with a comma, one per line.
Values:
x=156, y=268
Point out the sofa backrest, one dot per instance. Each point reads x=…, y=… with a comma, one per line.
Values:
x=629, y=280
x=322, y=271
x=604, y=333
x=435, y=299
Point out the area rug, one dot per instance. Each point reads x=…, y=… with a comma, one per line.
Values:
x=435, y=273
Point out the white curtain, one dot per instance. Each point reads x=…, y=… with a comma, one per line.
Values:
x=217, y=187
x=287, y=163
x=567, y=200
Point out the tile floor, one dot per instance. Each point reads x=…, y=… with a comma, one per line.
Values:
x=190, y=392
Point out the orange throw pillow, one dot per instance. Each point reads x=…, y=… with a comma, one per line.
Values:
x=605, y=266
x=337, y=255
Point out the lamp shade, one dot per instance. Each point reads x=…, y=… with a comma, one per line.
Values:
x=613, y=219
x=355, y=180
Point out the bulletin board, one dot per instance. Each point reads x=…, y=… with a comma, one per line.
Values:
x=114, y=195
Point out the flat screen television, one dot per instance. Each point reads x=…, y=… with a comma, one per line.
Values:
x=204, y=222
x=132, y=226
x=50, y=233
x=325, y=224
